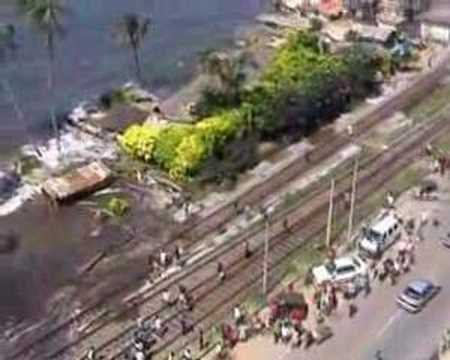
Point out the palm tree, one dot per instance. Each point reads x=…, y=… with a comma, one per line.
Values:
x=7, y=40
x=130, y=31
x=45, y=15
x=8, y=46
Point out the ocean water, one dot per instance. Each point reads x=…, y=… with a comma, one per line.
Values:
x=88, y=60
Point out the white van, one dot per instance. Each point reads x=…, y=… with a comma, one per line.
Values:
x=378, y=237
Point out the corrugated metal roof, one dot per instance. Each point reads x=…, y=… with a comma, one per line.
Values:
x=77, y=182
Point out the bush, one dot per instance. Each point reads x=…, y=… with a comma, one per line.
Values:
x=190, y=154
x=167, y=142
x=302, y=87
x=218, y=130
x=139, y=141
x=117, y=207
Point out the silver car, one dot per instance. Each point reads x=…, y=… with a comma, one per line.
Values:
x=416, y=295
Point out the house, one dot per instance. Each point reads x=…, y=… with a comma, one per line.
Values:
x=435, y=23
x=328, y=8
x=331, y=8
x=389, y=12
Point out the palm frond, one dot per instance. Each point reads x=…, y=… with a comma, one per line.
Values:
x=46, y=15
x=130, y=30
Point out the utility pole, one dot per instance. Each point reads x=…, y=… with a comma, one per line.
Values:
x=266, y=254
x=352, y=201
x=330, y=215
x=266, y=215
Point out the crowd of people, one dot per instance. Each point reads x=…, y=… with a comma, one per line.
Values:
x=326, y=298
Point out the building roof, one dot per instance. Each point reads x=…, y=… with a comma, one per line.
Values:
x=331, y=7
x=119, y=118
x=384, y=224
x=439, y=13
x=380, y=33
x=78, y=182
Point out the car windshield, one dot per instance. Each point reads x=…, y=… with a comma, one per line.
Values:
x=374, y=236
x=345, y=269
x=331, y=267
x=412, y=293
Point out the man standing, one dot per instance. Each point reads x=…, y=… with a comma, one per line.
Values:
x=221, y=271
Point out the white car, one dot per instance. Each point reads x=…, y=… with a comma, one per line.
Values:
x=342, y=269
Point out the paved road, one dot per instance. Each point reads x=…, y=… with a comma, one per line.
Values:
x=381, y=325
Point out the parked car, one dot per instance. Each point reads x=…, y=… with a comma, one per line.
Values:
x=380, y=236
x=342, y=269
x=416, y=295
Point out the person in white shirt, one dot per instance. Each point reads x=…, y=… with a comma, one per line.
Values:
x=91, y=354
x=157, y=324
x=285, y=332
x=187, y=354
x=167, y=299
x=390, y=200
x=139, y=355
x=350, y=130
x=237, y=314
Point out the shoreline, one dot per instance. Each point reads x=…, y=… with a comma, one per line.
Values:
x=174, y=100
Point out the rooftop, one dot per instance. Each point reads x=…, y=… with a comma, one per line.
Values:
x=384, y=223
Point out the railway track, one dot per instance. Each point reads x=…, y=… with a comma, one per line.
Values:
x=205, y=289
x=244, y=275
x=222, y=215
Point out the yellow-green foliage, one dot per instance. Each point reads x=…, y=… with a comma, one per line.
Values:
x=166, y=145
x=181, y=149
x=190, y=154
x=139, y=141
x=220, y=128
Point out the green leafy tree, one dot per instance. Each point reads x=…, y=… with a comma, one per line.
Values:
x=130, y=31
x=46, y=16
